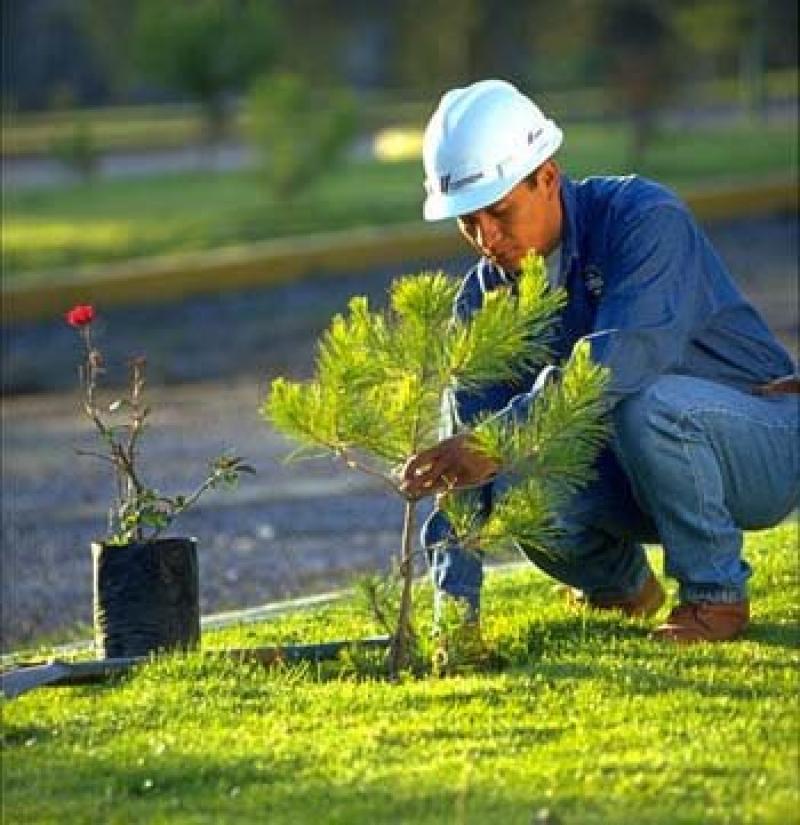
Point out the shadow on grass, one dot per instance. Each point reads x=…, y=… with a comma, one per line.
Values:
x=579, y=647
x=612, y=653
x=14, y=736
x=263, y=787
x=640, y=679
x=774, y=634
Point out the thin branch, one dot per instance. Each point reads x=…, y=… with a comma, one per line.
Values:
x=188, y=502
x=92, y=454
x=373, y=602
x=354, y=464
x=126, y=465
x=138, y=414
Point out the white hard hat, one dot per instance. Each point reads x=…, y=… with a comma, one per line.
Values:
x=480, y=142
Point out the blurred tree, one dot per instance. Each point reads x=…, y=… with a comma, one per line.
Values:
x=753, y=58
x=325, y=26
x=563, y=49
x=731, y=37
x=206, y=48
x=297, y=135
x=107, y=24
x=46, y=59
x=421, y=47
x=77, y=149
x=641, y=56
x=437, y=42
x=714, y=29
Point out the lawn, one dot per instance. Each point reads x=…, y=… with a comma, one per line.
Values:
x=587, y=719
x=112, y=220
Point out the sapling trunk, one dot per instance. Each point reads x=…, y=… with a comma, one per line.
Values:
x=403, y=634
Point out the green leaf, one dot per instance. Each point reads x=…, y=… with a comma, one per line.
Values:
x=510, y=334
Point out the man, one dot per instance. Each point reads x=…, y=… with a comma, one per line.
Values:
x=704, y=417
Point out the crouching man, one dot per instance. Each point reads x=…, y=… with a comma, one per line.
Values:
x=703, y=400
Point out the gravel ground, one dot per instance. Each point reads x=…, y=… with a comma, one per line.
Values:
x=294, y=529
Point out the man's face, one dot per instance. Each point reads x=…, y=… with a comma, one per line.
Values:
x=528, y=217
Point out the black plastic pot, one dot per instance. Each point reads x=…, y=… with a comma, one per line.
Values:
x=146, y=597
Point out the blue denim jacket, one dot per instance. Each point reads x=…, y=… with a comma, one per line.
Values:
x=646, y=289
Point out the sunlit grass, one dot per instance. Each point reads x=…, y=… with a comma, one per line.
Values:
x=120, y=219
x=589, y=719
x=46, y=244
x=113, y=220
x=51, y=239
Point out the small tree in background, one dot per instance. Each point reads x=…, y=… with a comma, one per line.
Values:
x=733, y=37
x=376, y=396
x=296, y=135
x=78, y=149
x=643, y=62
x=206, y=48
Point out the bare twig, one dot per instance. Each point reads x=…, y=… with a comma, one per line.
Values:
x=92, y=454
x=374, y=605
x=355, y=464
x=139, y=414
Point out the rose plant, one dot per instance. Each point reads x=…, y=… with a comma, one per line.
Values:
x=139, y=513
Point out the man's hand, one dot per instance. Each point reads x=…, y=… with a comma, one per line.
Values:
x=452, y=463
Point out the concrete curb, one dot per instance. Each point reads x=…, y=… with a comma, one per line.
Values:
x=47, y=295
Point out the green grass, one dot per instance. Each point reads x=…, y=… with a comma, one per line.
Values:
x=589, y=719
x=121, y=219
x=114, y=220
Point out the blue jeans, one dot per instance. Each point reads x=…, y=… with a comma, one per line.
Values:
x=691, y=464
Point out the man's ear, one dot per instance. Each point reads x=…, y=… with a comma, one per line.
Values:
x=549, y=178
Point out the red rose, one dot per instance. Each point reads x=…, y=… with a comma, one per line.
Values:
x=80, y=315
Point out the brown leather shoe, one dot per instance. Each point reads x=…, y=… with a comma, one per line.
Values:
x=642, y=604
x=704, y=622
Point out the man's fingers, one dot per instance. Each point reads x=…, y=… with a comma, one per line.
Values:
x=437, y=468
x=422, y=473
x=426, y=474
x=417, y=463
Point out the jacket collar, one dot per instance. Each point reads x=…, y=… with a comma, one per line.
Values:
x=569, y=226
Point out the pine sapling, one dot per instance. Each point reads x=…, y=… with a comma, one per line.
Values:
x=376, y=397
